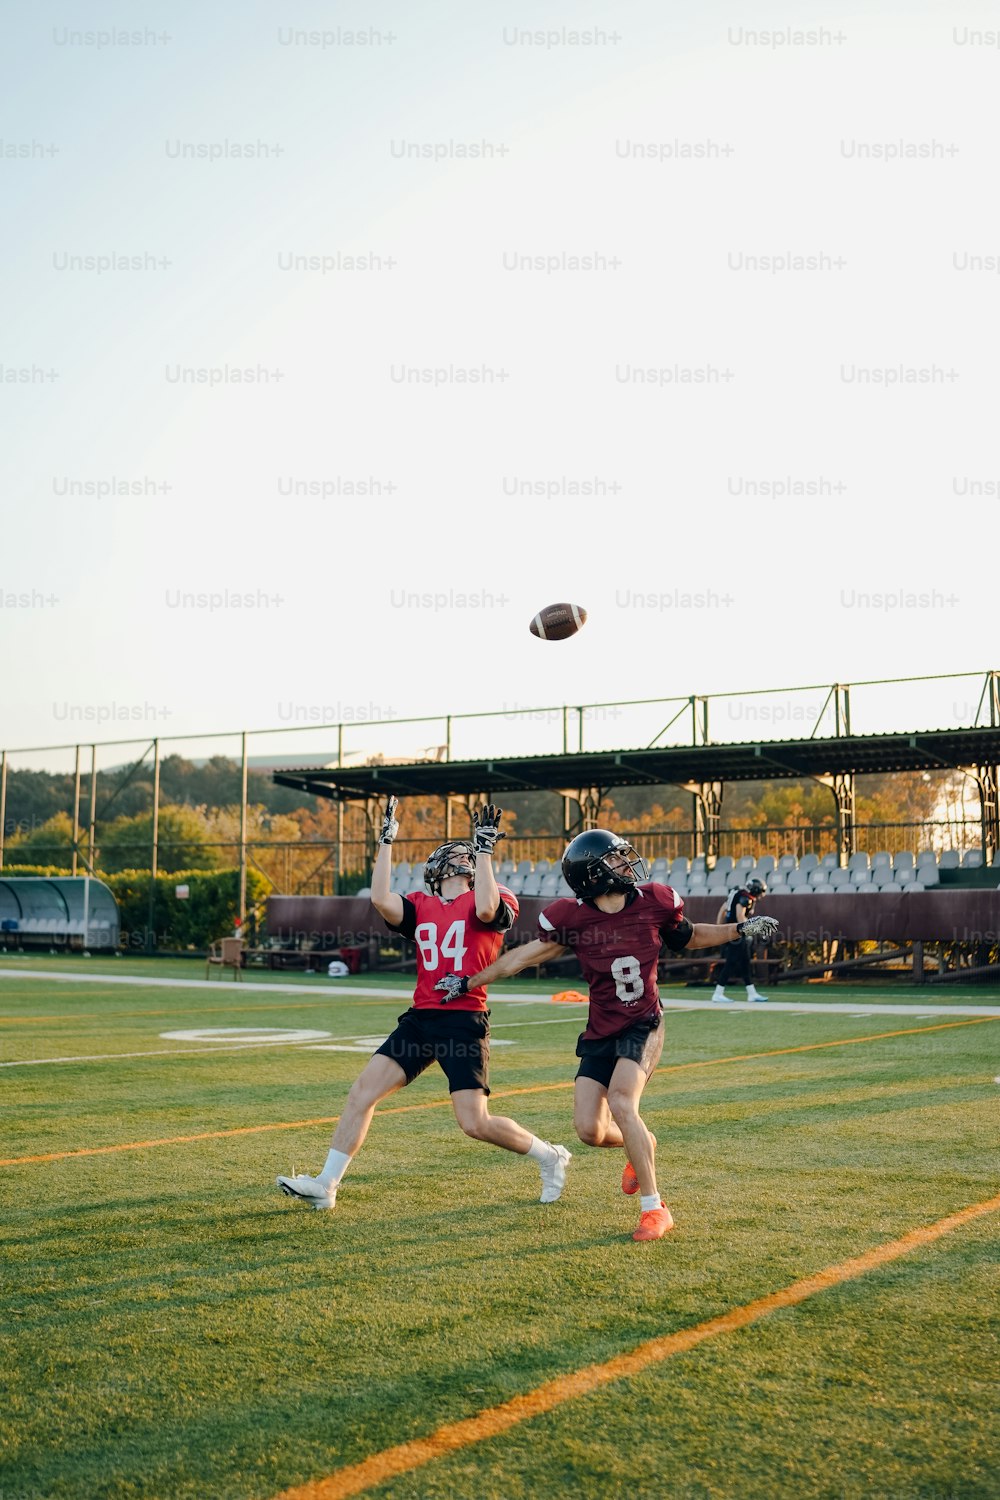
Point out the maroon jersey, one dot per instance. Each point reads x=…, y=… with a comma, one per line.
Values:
x=451, y=939
x=618, y=952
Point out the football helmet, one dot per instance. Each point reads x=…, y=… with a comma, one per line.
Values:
x=444, y=861
x=585, y=867
x=756, y=887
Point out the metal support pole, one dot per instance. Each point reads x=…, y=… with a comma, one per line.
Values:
x=987, y=779
x=589, y=798
x=154, y=857
x=92, y=838
x=76, y=813
x=841, y=784
x=243, y=830
x=340, y=846
x=706, y=816
x=3, y=803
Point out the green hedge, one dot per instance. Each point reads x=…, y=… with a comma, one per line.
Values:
x=209, y=913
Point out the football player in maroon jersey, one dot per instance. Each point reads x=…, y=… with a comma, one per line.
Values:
x=615, y=926
x=458, y=926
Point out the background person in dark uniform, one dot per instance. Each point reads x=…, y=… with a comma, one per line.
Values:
x=739, y=905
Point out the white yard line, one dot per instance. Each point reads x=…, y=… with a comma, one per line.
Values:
x=221, y=1047
x=340, y=990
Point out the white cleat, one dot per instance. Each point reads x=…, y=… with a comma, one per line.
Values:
x=554, y=1175
x=308, y=1190
x=754, y=999
x=720, y=997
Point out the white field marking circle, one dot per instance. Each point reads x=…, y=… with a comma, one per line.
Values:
x=244, y=1034
x=372, y=1043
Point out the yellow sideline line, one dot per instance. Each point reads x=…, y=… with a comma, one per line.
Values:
x=405, y=1457
x=537, y=1088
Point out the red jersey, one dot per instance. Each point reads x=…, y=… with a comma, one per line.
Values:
x=618, y=952
x=451, y=939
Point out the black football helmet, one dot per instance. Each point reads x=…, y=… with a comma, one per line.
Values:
x=444, y=861
x=756, y=887
x=585, y=867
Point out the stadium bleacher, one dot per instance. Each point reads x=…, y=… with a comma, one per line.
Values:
x=863, y=874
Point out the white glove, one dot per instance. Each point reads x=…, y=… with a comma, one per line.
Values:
x=486, y=828
x=758, y=927
x=390, y=827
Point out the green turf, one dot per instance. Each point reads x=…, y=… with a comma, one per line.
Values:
x=173, y=1327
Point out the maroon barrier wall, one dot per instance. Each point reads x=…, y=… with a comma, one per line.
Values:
x=931, y=916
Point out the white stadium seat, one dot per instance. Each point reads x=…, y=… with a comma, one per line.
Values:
x=860, y=877
x=840, y=879
x=904, y=860
x=948, y=859
x=830, y=862
x=819, y=878
x=972, y=859
x=809, y=862
x=765, y=862
x=858, y=861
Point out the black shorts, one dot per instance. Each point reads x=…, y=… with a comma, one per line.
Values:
x=459, y=1040
x=599, y=1056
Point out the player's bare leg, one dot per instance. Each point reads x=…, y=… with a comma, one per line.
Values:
x=624, y=1093
x=473, y=1115
x=591, y=1116
x=377, y=1080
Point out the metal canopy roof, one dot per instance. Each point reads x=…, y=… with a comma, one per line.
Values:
x=922, y=750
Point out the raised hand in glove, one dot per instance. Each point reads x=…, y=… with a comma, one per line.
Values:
x=451, y=986
x=390, y=827
x=486, y=828
x=758, y=927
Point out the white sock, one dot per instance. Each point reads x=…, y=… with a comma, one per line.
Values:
x=336, y=1165
x=540, y=1150
x=649, y=1201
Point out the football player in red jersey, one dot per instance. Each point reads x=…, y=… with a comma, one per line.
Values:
x=460, y=924
x=615, y=926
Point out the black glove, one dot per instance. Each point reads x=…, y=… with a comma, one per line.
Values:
x=758, y=927
x=452, y=985
x=389, y=825
x=486, y=828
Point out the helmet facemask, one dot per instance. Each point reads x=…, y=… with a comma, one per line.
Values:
x=443, y=862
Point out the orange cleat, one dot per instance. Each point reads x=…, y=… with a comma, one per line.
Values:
x=654, y=1223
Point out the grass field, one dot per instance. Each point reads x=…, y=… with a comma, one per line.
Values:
x=173, y=1327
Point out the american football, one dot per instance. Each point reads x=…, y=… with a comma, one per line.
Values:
x=556, y=622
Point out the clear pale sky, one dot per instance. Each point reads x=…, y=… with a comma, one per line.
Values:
x=681, y=150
